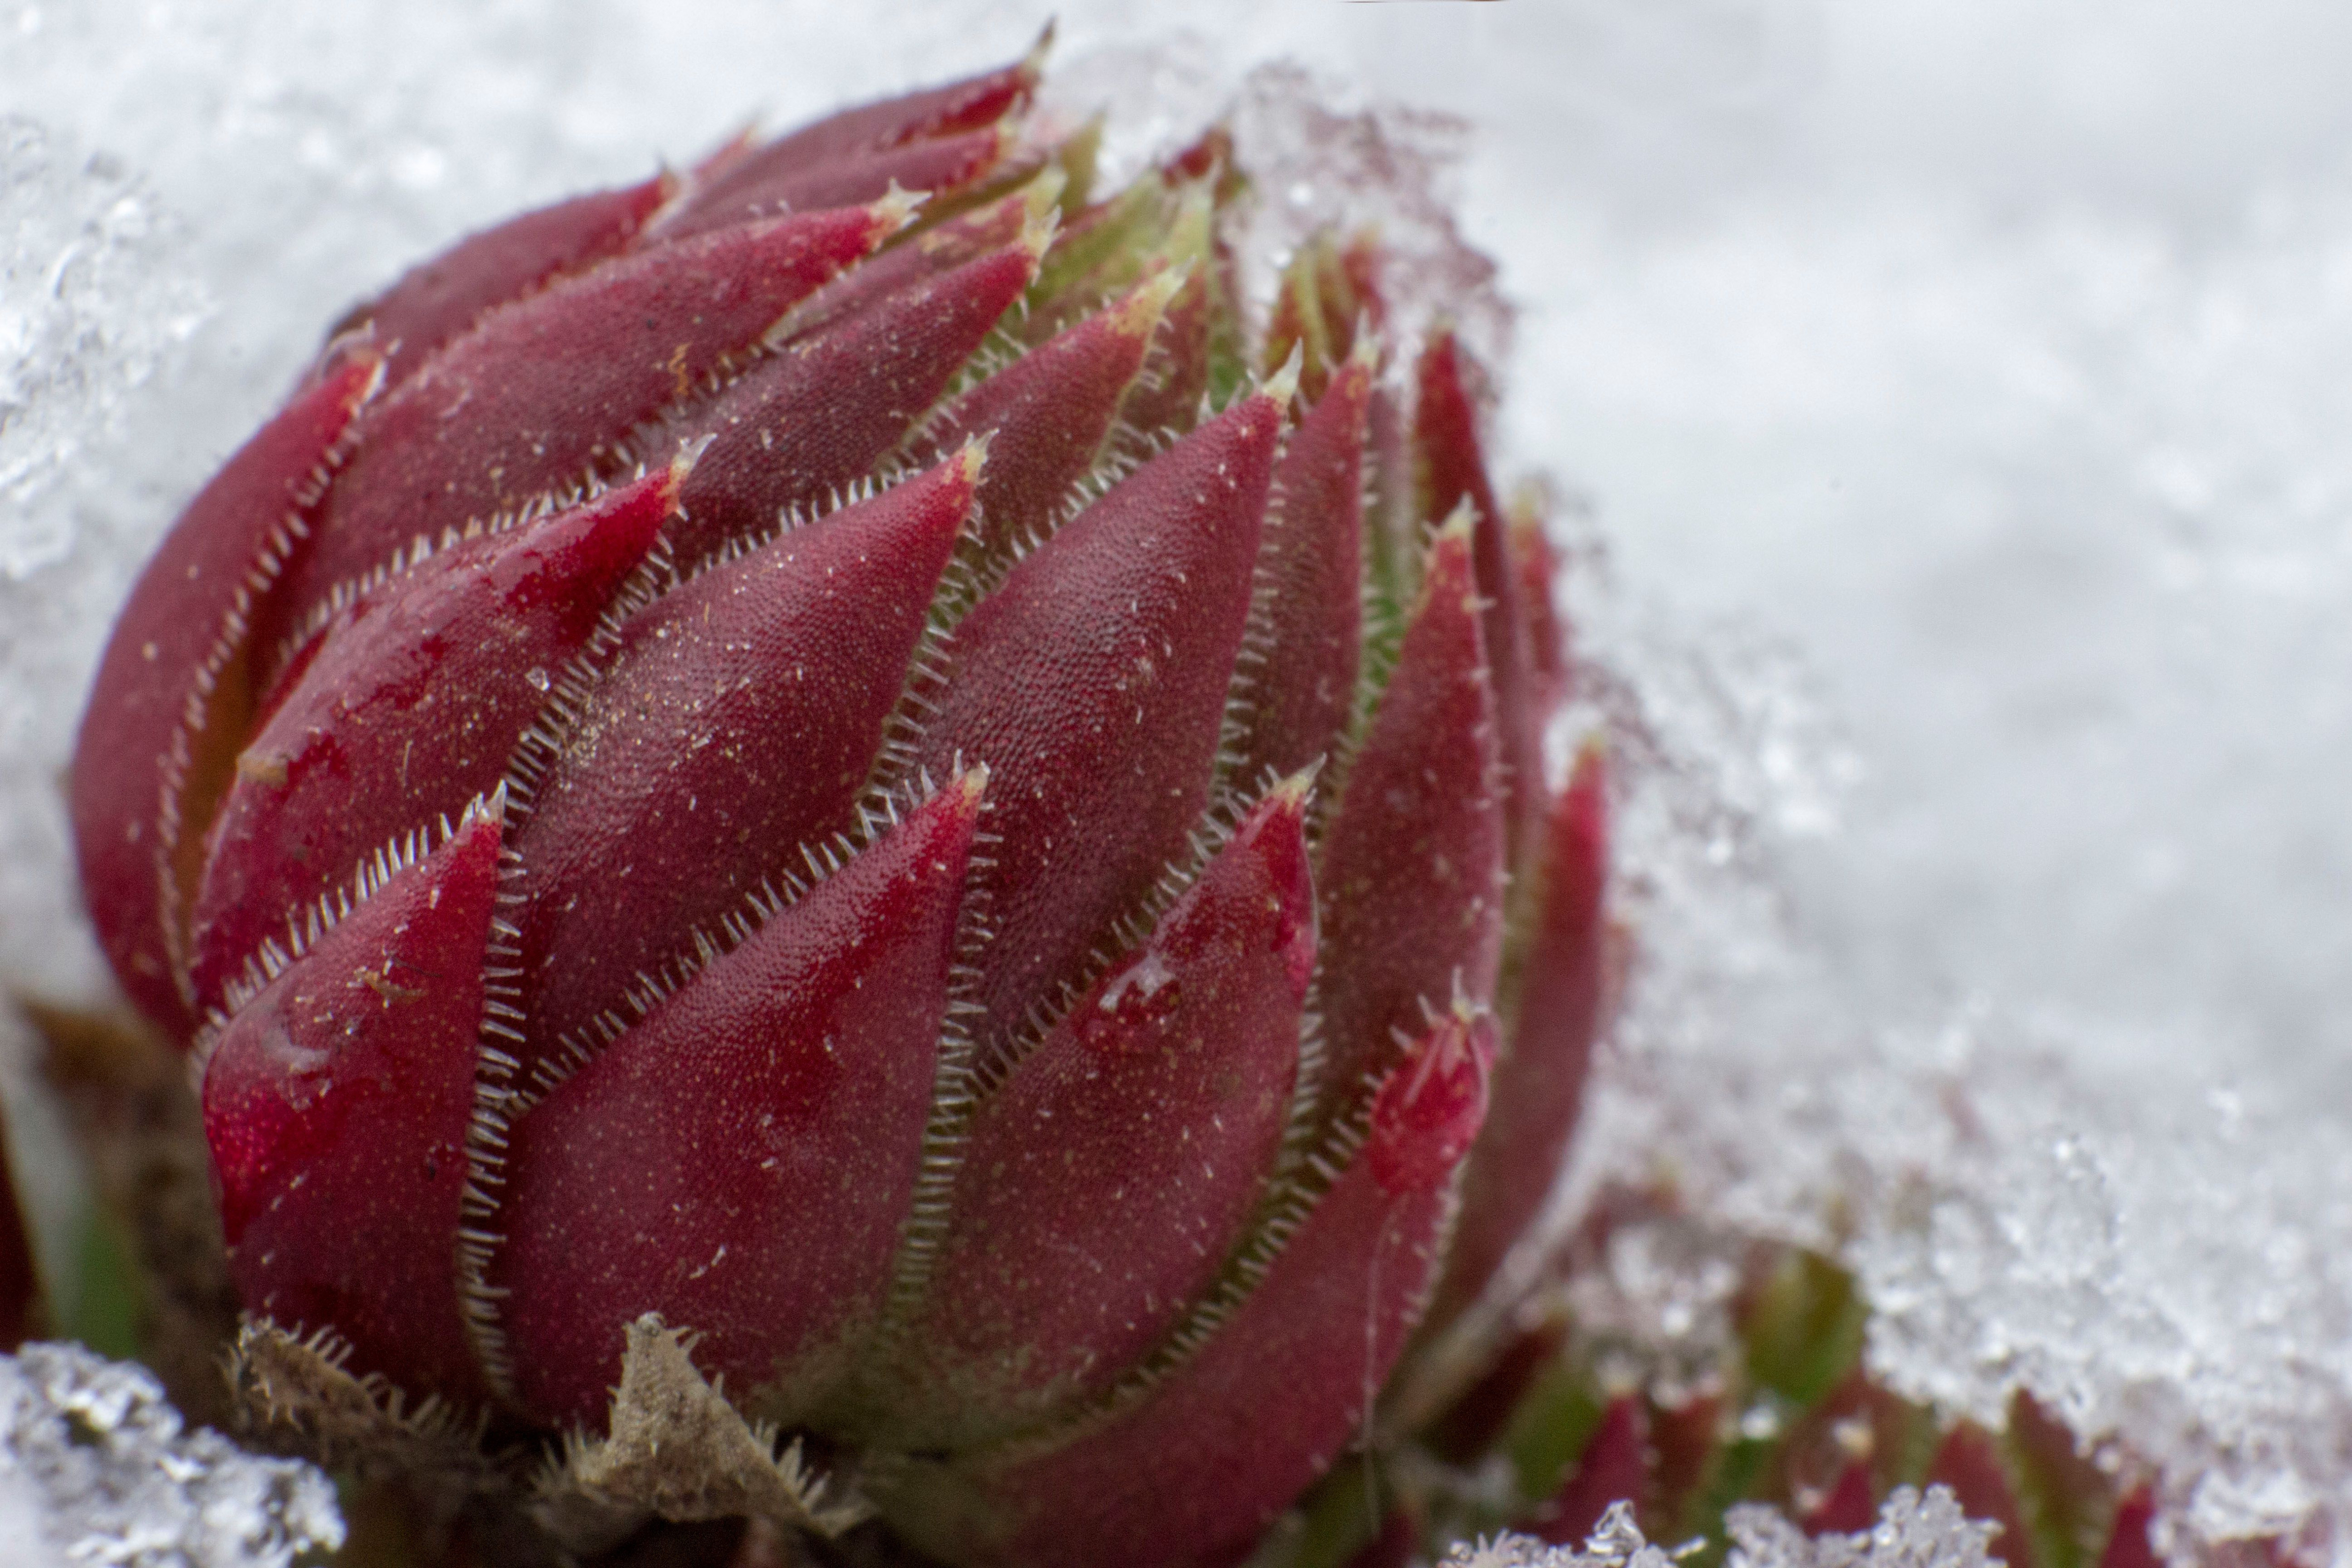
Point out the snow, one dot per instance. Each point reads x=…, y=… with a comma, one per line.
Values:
x=96, y=1468
x=1957, y=395
x=1912, y=1532
x=1615, y=1542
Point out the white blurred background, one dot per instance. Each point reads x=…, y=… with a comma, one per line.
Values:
x=1963, y=392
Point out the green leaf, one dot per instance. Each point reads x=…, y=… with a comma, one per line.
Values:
x=103, y=1309
x=1803, y=1327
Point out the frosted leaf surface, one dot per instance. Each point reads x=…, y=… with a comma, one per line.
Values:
x=96, y=1468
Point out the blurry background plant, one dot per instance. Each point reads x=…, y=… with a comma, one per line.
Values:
x=1995, y=361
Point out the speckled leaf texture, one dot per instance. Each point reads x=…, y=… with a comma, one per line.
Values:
x=847, y=767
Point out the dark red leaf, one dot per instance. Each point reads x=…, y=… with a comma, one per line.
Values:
x=806, y=425
x=437, y=299
x=174, y=692
x=1540, y=1083
x=412, y=705
x=1103, y=1185
x=338, y=1103
x=1450, y=468
x=1614, y=1468
x=1420, y=811
x=740, y=1160
x=1303, y=659
x=542, y=392
x=738, y=720
x=1205, y=1461
x=1094, y=684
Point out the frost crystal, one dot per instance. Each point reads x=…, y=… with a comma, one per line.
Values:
x=1912, y=1532
x=1615, y=1542
x=94, y=1466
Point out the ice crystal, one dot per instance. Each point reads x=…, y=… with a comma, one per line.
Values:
x=1615, y=1542
x=97, y=1469
x=1913, y=1532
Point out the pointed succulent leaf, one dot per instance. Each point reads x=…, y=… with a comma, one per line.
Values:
x=1325, y=297
x=1450, y=469
x=1104, y=1182
x=174, y=692
x=1204, y=1460
x=1614, y=1468
x=739, y=719
x=1486, y=1412
x=1094, y=683
x=1298, y=321
x=2062, y=1488
x=1165, y=219
x=1432, y=1103
x=1686, y=1439
x=971, y=104
x=1230, y=358
x=1969, y=1462
x=412, y=703
x=930, y=251
x=1801, y=1320
x=1304, y=657
x=1421, y=810
x=1539, y=1082
x=2127, y=1542
x=1393, y=535
x=1077, y=158
x=1536, y=566
x=1804, y=1463
x=1104, y=250
x=1847, y=1507
x=1208, y=157
x=1353, y=289
x=1209, y=162
x=338, y=1103
x=540, y=392
x=1178, y=370
x=814, y=420
x=1048, y=415
x=922, y=167
x=706, y=171
x=435, y=302
x=767, y=1221
x=290, y=1387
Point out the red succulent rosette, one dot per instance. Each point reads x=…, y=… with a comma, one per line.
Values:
x=833, y=755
